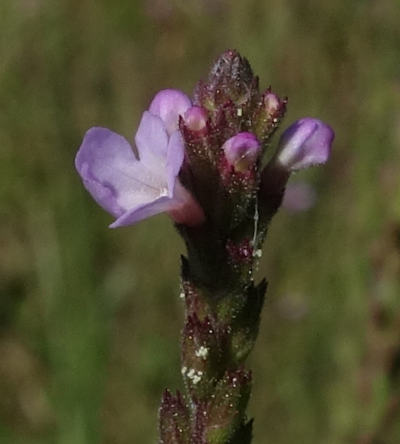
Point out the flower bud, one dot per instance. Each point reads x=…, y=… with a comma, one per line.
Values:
x=195, y=118
x=231, y=79
x=169, y=104
x=272, y=104
x=241, y=151
x=305, y=143
x=268, y=115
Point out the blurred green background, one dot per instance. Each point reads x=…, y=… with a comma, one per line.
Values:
x=90, y=317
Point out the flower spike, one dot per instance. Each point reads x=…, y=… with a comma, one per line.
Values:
x=197, y=160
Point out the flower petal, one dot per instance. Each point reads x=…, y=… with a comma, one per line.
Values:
x=112, y=174
x=169, y=104
x=175, y=157
x=152, y=143
x=144, y=211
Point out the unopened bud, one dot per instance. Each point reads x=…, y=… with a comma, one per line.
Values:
x=196, y=118
x=272, y=103
x=305, y=143
x=241, y=151
x=231, y=80
x=268, y=114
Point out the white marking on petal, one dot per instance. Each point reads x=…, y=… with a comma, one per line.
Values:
x=163, y=192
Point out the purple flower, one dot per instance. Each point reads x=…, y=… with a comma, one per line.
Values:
x=241, y=151
x=305, y=143
x=133, y=189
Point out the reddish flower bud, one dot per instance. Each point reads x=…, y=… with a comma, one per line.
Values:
x=241, y=151
x=272, y=103
x=268, y=114
x=196, y=118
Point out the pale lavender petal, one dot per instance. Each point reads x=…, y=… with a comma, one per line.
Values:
x=103, y=194
x=175, y=157
x=152, y=143
x=305, y=143
x=169, y=104
x=134, y=215
x=112, y=174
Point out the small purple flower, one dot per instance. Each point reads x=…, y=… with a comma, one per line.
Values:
x=241, y=151
x=132, y=189
x=305, y=143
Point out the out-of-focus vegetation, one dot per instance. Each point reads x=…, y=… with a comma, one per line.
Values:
x=90, y=317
